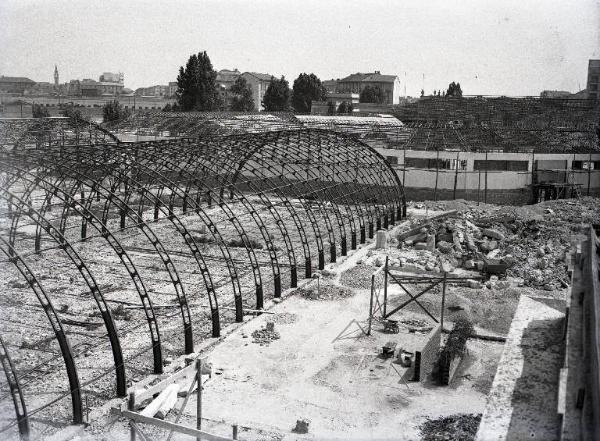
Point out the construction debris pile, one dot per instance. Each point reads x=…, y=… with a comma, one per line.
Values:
x=529, y=243
x=454, y=427
x=265, y=335
x=325, y=291
x=358, y=277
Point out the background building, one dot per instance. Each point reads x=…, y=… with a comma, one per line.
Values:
x=258, y=83
x=225, y=80
x=16, y=85
x=593, y=80
x=356, y=83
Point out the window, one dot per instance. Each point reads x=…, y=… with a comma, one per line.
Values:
x=585, y=165
x=392, y=160
x=494, y=165
x=433, y=163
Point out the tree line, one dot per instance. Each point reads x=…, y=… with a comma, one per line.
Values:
x=197, y=90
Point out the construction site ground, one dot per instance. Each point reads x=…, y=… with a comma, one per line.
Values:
x=322, y=367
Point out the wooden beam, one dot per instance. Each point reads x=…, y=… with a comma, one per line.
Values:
x=172, y=426
x=398, y=308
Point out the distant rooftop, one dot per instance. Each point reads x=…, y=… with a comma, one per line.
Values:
x=260, y=76
x=4, y=79
x=374, y=77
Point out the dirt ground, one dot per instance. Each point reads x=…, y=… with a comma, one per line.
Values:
x=324, y=369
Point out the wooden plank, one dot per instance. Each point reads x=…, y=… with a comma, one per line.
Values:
x=172, y=426
x=185, y=373
x=562, y=391
x=156, y=404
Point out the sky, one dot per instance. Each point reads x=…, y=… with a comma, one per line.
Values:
x=500, y=47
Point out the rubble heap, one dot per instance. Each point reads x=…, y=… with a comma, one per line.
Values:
x=265, y=335
x=454, y=427
x=532, y=242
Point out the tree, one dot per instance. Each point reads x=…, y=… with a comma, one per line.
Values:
x=39, y=111
x=330, y=108
x=72, y=113
x=196, y=85
x=307, y=88
x=277, y=95
x=454, y=90
x=167, y=108
x=345, y=107
x=242, y=96
x=372, y=94
x=114, y=111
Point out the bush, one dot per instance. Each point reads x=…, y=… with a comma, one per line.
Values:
x=39, y=111
x=114, y=111
x=455, y=346
x=72, y=113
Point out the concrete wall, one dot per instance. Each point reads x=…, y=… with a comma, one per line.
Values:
x=429, y=355
x=493, y=186
x=52, y=101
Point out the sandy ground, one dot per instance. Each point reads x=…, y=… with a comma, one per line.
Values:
x=324, y=369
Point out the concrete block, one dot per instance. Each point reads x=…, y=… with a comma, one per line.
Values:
x=381, y=240
x=431, y=242
x=492, y=234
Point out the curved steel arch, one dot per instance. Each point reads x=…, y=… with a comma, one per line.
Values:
x=86, y=274
x=79, y=178
x=15, y=391
x=190, y=242
x=239, y=228
x=229, y=212
x=207, y=166
x=106, y=234
x=55, y=323
x=180, y=228
x=272, y=208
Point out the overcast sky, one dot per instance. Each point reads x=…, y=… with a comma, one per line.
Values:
x=500, y=47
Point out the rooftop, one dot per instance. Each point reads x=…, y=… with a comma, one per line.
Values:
x=4, y=79
x=260, y=76
x=376, y=77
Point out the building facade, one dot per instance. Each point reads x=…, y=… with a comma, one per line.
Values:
x=224, y=81
x=15, y=85
x=259, y=83
x=593, y=80
x=159, y=91
x=356, y=83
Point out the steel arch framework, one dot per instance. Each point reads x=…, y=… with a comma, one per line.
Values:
x=246, y=194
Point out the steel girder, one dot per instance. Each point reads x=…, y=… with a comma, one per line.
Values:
x=36, y=181
x=81, y=178
x=15, y=391
x=55, y=323
x=132, y=183
x=23, y=207
x=241, y=184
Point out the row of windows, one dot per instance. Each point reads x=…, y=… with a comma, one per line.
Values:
x=492, y=165
x=586, y=165
x=443, y=164
x=453, y=164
